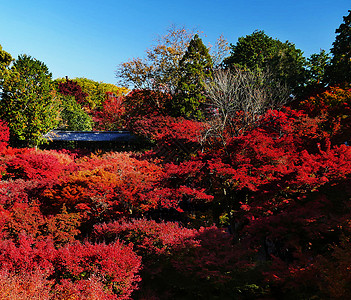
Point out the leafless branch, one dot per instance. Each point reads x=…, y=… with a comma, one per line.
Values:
x=237, y=99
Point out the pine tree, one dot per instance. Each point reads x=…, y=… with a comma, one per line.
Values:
x=340, y=71
x=196, y=69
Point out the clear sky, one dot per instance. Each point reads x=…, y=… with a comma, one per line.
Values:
x=90, y=38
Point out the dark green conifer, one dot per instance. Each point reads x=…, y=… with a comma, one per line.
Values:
x=340, y=70
x=196, y=69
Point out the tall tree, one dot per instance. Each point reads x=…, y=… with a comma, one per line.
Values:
x=259, y=51
x=196, y=69
x=73, y=116
x=317, y=66
x=219, y=51
x=159, y=70
x=28, y=104
x=340, y=71
x=5, y=60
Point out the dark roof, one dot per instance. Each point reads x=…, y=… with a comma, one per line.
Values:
x=91, y=136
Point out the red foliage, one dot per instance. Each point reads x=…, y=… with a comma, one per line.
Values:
x=27, y=255
x=107, y=186
x=25, y=286
x=92, y=289
x=110, y=116
x=270, y=184
x=147, y=236
x=176, y=139
x=333, y=100
x=72, y=88
x=173, y=255
x=80, y=269
x=26, y=218
x=282, y=188
x=4, y=135
x=166, y=129
x=140, y=103
x=37, y=165
x=115, y=265
x=63, y=227
x=4, y=138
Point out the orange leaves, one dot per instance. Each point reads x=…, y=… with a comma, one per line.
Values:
x=111, y=184
x=334, y=106
x=332, y=99
x=24, y=286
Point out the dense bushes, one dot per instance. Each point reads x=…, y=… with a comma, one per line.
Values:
x=222, y=208
x=98, y=226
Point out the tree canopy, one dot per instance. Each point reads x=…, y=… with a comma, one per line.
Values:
x=250, y=202
x=260, y=51
x=28, y=100
x=5, y=60
x=159, y=70
x=340, y=70
x=195, y=69
x=94, y=91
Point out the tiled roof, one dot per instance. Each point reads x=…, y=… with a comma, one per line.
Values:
x=91, y=136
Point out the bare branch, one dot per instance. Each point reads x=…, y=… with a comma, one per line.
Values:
x=237, y=99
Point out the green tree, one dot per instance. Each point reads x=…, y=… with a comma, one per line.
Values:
x=5, y=60
x=73, y=117
x=340, y=70
x=96, y=91
x=159, y=70
x=28, y=102
x=316, y=65
x=316, y=73
x=259, y=51
x=196, y=69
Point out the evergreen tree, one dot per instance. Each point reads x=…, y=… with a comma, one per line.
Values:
x=28, y=104
x=196, y=69
x=340, y=70
x=259, y=51
x=5, y=60
x=317, y=66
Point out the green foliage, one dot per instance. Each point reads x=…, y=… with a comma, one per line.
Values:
x=5, y=60
x=340, y=71
x=28, y=103
x=259, y=51
x=317, y=64
x=96, y=91
x=196, y=69
x=73, y=117
x=159, y=70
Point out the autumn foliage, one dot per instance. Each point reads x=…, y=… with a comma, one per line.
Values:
x=262, y=214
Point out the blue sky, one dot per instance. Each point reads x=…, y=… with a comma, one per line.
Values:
x=90, y=38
